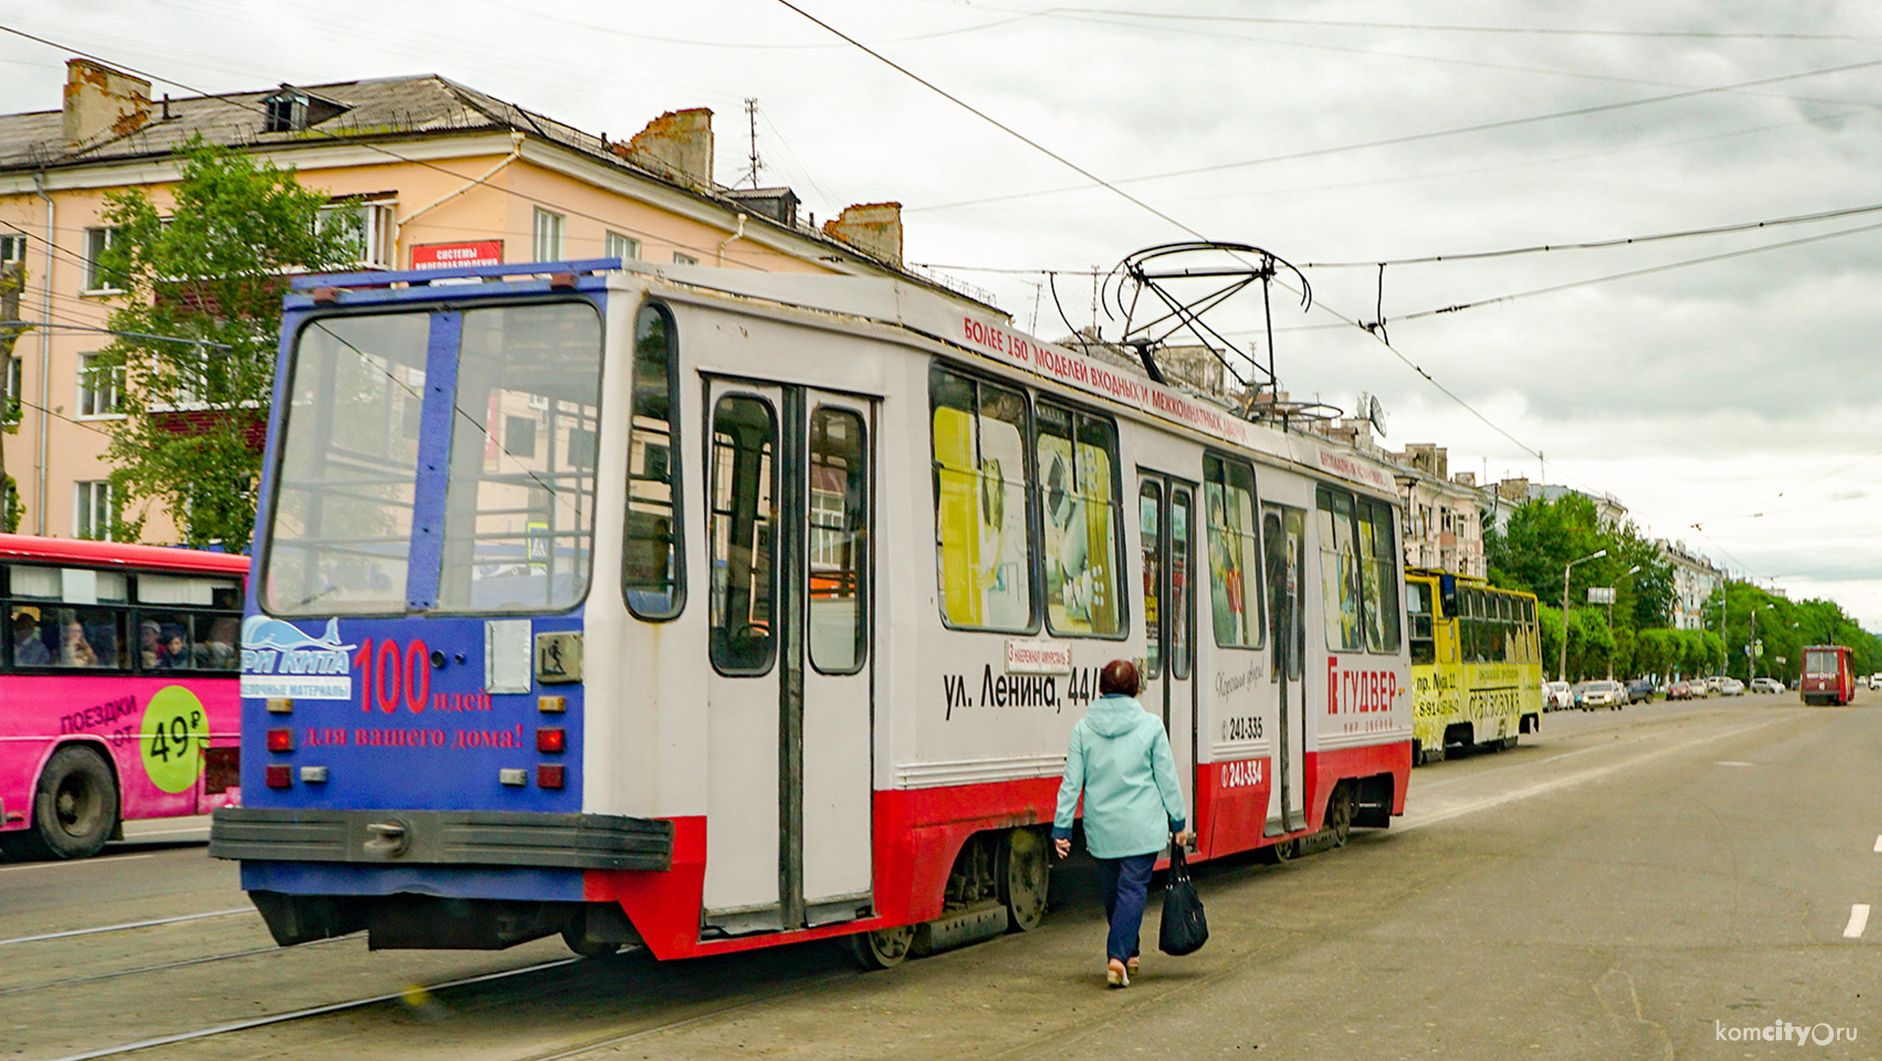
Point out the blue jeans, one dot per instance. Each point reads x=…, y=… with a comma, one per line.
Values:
x=1126, y=881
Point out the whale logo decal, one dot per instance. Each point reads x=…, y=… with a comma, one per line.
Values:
x=261, y=632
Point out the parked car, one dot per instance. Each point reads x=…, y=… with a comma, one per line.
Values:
x=1640, y=691
x=1557, y=696
x=1713, y=681
x=1731, y=687
x=1682, y=691
x=1601, y=693
x=1766, y=685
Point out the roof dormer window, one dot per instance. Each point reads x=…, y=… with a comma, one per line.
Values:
x=291, y=110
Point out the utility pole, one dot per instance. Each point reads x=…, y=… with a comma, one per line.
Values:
x=12, y=284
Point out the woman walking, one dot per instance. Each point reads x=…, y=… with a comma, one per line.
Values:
x=1119, y=757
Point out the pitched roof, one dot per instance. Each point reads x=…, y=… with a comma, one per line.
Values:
x=377, y=109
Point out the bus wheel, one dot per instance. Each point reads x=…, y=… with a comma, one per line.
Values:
x=884, y=948
x=1338, y=826
x=75, y=808
x=1023, y=876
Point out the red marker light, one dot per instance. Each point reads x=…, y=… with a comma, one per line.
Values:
x=550, y=775
x=280, y=740
x=279, y=776
x=551, y=739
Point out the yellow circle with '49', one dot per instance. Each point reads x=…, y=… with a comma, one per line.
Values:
x=172, y=738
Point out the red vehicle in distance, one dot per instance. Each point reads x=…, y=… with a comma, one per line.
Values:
x=1827, y=678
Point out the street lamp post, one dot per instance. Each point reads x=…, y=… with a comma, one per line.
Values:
x=1630, y=572
x=1561, y=673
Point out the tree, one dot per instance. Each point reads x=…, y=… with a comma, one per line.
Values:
x=198, y=309
x=12, y=285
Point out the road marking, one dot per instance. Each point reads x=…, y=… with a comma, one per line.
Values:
x=198, y=830
x=129, y=924
x=1730, y=762
x=1878, y=843
x=1418, y=820
x=1858, y=920
x=75, y=865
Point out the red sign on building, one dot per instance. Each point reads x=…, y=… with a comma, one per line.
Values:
x=456, y=255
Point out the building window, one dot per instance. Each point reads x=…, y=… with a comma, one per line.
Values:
x=12, y=248
x=287, y=112
x=684, y=259
x=370, y=226
x=97, y=240
x=94, y=514
x=615, y=245
x=99, y=386
x=546, y=235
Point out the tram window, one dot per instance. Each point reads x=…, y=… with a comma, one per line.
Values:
x=519, y=531
x=652, y=565
x=838, y=541
x=1078, y=499
x=1234, y=552
x=982, y=545
x=1150, y=534
x=743, y=529
x=348, y=465
x=1340, y=578
x=1182, y=552
x=1380, y=568
x=1418, y=607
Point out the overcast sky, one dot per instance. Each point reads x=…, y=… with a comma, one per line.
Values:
x=1734, y=404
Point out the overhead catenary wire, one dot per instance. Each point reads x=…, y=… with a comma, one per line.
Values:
x=1412, y=138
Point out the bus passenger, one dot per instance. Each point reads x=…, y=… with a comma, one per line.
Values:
x=75, y=651
x=1119, y=757
x=28, y=649
x=149, y=644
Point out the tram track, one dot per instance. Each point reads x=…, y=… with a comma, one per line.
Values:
x=420, y=995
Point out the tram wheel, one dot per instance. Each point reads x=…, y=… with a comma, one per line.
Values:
x=884, y=948
x=1276, y=853
x=1023, y=877
x=75, y=807
x=1339, y=822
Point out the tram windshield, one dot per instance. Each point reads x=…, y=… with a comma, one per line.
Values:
x=505, y=524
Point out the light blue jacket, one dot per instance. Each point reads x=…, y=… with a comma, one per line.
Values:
x=1120, y=758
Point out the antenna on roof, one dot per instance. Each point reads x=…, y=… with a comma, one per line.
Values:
x=751, y=121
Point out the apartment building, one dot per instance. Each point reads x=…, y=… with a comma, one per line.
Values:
x=429, y=173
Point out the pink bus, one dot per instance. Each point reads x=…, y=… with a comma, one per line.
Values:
x=118, y=689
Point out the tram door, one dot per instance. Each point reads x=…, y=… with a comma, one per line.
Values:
x=789, y=488
x=1283, y=535
x=1166, y=522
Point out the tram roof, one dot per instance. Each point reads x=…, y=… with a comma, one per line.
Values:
x=903, y=305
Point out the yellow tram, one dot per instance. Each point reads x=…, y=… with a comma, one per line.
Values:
x=1476, y=663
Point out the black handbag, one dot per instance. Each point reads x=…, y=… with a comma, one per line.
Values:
x=1184, y=929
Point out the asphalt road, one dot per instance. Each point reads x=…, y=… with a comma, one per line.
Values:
x=1667, y=881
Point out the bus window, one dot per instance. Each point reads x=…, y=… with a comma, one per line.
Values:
x=839, y=620
x=652, y=557
x=982, y=545
x=1234, y=552
x=743, y=527
x=1078, y=500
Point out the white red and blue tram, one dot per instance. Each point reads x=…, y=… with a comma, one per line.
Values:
x=711, y=611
